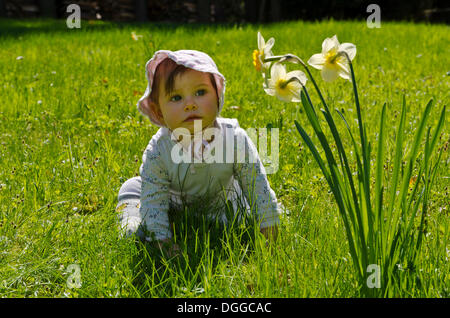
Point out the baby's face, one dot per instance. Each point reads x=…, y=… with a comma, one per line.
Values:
x=193, y=98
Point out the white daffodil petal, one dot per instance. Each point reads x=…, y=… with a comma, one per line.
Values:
x=317, y=61
x=270, y=91
x=269, y=44
x=344, y=66
x=296, y=99
x=298, y=74
x=284, y=97
x=266, y=55
x=261, y=42
x=303, y=79
x=330, y=43
x=349, y=48
x=270, y=83
x=329, y=74
x=295, y=89
x=345, y=74
x=278, y=71
x=294, y=86
x=335, y=39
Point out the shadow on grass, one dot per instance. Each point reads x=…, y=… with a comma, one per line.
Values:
x=18, y=27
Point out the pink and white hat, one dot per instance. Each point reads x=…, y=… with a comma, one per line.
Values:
x=195, y=60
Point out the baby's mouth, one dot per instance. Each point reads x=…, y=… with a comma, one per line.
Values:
x=192, y=118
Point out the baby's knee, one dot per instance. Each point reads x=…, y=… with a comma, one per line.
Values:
x=130, y=189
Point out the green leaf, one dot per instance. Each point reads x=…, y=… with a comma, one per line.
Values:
x=315, y=153
x=396, y=168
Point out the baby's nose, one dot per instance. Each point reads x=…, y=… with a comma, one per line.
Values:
x=190, y=107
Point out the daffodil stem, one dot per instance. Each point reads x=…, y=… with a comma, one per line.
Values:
x=273, y=58
x=283, y=58
x=316, y=87
x=358, y=108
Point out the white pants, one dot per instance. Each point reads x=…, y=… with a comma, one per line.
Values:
x=128, y=206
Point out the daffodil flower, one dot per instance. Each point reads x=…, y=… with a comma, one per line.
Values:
x=285, y=86
x=332, y=61
x=263, y=51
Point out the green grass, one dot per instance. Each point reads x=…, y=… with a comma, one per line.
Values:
x=70, y=135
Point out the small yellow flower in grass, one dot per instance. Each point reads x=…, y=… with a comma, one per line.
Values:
x=263, y=51
x=285, y=86
x=135, y=36
x=332, y=61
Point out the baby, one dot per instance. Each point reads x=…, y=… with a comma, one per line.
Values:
x=184, y=97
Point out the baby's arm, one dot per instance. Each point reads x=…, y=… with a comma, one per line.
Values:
x=155, y=196
x=252, y=177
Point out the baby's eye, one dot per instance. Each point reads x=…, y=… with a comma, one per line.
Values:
x=201, y=92
x=175, y=98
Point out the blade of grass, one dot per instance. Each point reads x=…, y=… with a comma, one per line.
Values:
x=396, y=170
x=379, y=182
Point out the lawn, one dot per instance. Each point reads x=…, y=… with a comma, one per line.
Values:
x=70, y=135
